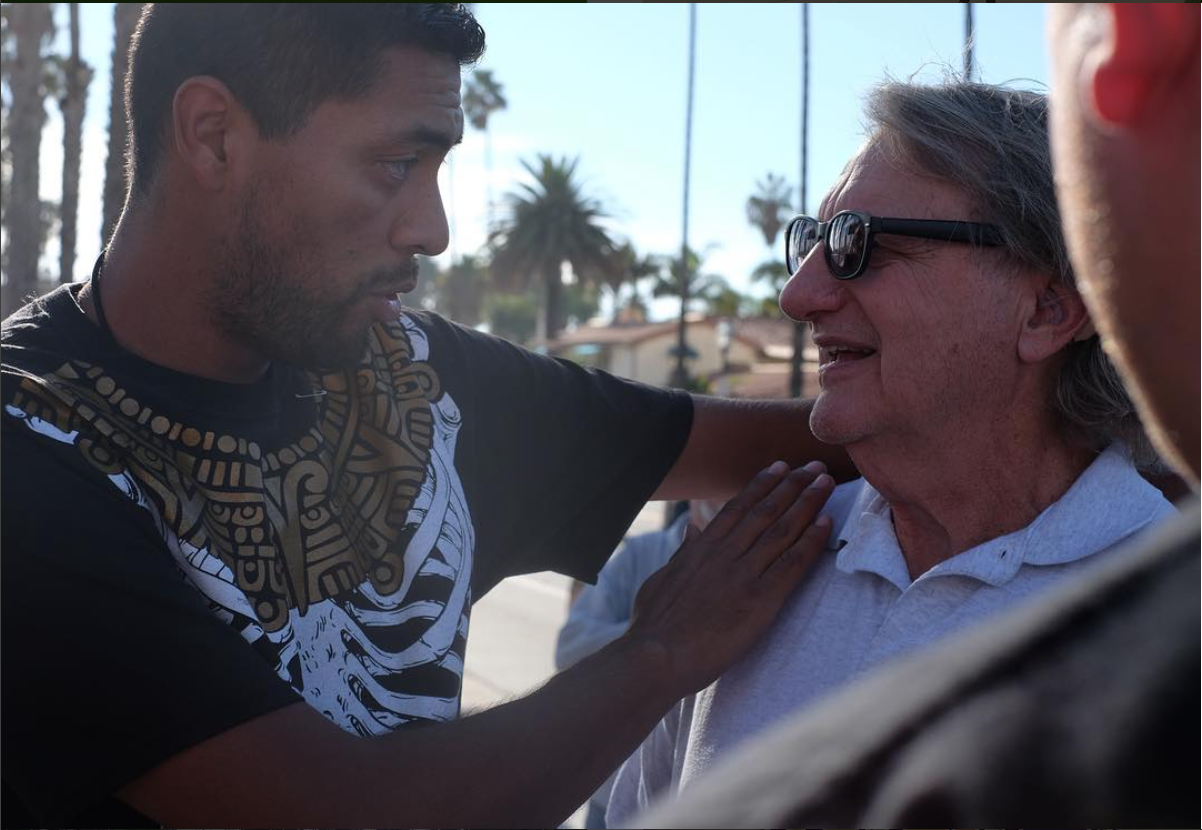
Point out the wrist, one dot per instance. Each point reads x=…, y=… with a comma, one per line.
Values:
x=649, y=662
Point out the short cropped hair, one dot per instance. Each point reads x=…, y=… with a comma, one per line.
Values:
x=280, y=60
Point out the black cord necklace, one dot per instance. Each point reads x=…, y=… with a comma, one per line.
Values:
x=97, y=269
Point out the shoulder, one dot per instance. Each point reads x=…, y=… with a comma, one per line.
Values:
x=34, y=325
x=1003, y=719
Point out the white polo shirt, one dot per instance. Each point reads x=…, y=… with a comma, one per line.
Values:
x=859, y=608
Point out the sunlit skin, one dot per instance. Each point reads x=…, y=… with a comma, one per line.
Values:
x=285, y=250
x=1125, y=137
x=943, y=402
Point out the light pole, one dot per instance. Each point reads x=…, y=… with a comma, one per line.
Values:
x=680, y=375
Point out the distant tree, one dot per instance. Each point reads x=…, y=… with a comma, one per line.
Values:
x=770, y=207
x=483, y=95
x=719, y=299
x=773, y=273
x=631, y=268
x=702, y=285
x=551, y=221
x=459, y=291
x=28, y=28
x=77, y=75
x=513, y=316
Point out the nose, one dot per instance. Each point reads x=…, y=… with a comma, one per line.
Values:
x=421, y=226
x=811, y=289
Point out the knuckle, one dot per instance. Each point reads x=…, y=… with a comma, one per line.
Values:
x=776, y=531
x=735, y=507
x=764, y=509
x=802, y=476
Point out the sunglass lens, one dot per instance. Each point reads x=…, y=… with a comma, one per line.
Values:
x=847, y=237
x=801, y=239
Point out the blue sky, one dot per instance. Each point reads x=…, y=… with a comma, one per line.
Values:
x=606, y=82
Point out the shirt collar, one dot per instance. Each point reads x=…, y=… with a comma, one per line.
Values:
x=1107, y=503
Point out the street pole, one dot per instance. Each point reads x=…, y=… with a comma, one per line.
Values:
x=680, y=375
x=968, y=42
x=799, y=329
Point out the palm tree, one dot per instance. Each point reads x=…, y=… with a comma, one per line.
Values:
x=719, y=299
x=29, y=25
x=770, y=206
x=482, y=96
x=459, y=291
x=550, y=222
x=774, y=273
x=77, y=77
x=701, y=287
x=629, y=268
x=125, y=20
x=769, y=209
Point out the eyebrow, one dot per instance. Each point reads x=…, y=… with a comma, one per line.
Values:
x=427, y=135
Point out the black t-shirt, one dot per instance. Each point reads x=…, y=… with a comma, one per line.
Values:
x=180, y=555
x=1077, y=710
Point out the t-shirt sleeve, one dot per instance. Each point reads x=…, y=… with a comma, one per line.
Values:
x=128, y=666
x=557, y=459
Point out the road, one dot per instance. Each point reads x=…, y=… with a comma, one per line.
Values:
x=511, y=642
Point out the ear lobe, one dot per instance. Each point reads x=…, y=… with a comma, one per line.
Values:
x=202, y=117
x=1058, y=318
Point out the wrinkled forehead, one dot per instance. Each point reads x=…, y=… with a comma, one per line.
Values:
x=879, y=182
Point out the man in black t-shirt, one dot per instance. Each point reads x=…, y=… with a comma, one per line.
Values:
x=248, y=502
x=1078, y=710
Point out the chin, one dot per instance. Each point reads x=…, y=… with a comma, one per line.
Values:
x=832, y=423
x=328, y=354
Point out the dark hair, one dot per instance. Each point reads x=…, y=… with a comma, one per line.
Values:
x=281, y=60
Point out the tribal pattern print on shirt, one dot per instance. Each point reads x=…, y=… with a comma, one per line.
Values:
x=343, y=558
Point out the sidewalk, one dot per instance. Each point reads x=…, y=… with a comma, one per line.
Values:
x=511, y=643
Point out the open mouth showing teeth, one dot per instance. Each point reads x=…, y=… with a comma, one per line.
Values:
x=845, y=354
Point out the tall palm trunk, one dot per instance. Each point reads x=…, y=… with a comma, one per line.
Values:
x=125, y=19
x=680, y=374
x=32, y=24
x=968, y=42
x=550, y=320
x=801, y=332
x=492, y=204
x=74, y=103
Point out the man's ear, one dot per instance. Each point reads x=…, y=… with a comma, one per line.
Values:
x=1149, y=45
x=206, y=123
x=1057, y=318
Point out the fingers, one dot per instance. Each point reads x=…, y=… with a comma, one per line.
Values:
x=785, y=571
x=782, y=534
x=759, y=514
x=737, y=508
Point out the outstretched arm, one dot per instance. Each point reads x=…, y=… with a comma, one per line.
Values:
x=520, y=764
x=731, y=439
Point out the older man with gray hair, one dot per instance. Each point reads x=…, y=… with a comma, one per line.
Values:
x=960, y=370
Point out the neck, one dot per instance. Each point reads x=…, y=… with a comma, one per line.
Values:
x=154, y=292
x=948, y=499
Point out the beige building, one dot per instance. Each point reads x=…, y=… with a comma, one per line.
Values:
x=756, y=357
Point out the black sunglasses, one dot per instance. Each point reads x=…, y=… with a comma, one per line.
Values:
x=847, y=238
